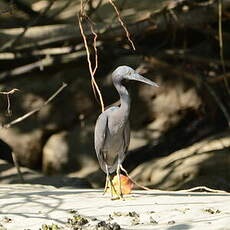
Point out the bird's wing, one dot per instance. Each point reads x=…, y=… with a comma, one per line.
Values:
x=127, y=135
x=126, y=138
x=100, y=135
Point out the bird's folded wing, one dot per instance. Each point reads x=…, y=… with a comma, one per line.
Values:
x=100, y=132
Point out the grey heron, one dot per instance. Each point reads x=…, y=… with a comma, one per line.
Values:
x=112, y=131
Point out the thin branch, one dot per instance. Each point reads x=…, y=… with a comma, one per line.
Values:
x=137, y=184
x=41, y=52
x=93, y=9
x=8, y=93
x=195, y=189
x=47, y=61
x=94, y=86
x=156, y=21
x=220, y=33
x=220, y=3
x=94, y=47
x=8, y=9
x=12, y=42
x=35, y=110
x=95, y=90
x=61, y=9
x=203, y=189
x=22, y=7
x=91, y=69
x=122, y=24
x=219, y=78
x=12, y=91
x=16, y=164
x=194, y=78
x=219, y=103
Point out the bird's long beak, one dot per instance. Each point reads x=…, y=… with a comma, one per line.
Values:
x=138, y=77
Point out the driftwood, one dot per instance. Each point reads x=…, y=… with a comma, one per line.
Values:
x=39, y=36
x=45, y=62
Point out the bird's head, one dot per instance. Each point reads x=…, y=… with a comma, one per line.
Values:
x=127, y=73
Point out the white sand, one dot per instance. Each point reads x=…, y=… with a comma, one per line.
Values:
x=30, y=206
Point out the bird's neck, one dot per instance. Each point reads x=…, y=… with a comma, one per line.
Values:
x=124, y=98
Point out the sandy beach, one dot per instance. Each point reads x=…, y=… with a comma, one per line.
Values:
x=34, y=206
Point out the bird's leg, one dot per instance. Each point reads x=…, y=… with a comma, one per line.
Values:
x=119, y=181
x=109, y=183
x=106, y=183
x=112, y=188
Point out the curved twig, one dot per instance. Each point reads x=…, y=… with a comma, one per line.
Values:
x=92, y=70
x=122, y=24
x=19, y=119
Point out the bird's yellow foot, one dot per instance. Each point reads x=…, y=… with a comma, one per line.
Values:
x=119, y=189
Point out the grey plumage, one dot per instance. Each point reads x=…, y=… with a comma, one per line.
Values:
x=112, y=135
x=112, y=132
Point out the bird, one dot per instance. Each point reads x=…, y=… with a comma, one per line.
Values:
x=112, y=129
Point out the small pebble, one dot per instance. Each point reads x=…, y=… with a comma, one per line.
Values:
x=135, y=221
x=102, y=225
x=152, y=221
x=133, y=214
x=117, y=214
x=171, y=222
x=7, y=219
x=212, y=211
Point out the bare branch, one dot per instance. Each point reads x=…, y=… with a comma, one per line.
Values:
x=8, y=98
x=47, y=61
x=219, y=78
x=91, y=69
x=219, y=102
x=22, y=7
x=157, y=21
x=12, y=42
x=221, y=45
x=61, y=9
x=9, y=92
x=35, y=110
x=122, y=24
x=195, y=189
x=16, y=164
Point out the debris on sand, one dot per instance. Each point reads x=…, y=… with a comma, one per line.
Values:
x=212, y=211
